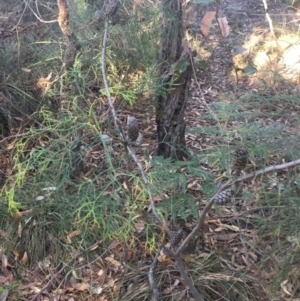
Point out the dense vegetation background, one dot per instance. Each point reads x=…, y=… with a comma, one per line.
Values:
x=75, y=211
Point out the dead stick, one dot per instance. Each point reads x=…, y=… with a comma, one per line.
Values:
x=229, y=183
x=186, y=278
x=155, y=296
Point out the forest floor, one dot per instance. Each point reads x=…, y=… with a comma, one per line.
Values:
x=240, y=72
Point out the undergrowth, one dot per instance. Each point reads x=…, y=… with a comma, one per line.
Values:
x=69, y=187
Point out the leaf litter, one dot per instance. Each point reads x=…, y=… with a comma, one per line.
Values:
x=224, y=241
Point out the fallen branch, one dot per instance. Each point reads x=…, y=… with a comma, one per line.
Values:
x=153, y=285
x=267, y=170
x=186, y=278
x=264, y=171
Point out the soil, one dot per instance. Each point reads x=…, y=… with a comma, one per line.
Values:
x=225, y=58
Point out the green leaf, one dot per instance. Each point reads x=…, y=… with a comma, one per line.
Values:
x=203, y=64
x=181, y=66
x=239, y=50
x=249, y=69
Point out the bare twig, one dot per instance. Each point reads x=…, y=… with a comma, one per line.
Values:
x=273, y=168
x=38, y=17
x=138, y=163
x=128, y=148
x=12, y=136
x=267, y=170
x=186, y=278
x=114, y=113
x=153, y=285
x=269, y=18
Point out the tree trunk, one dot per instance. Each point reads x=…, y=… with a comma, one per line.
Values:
x=63, y=21
x=176, y=71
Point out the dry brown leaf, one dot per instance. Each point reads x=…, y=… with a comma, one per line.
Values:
x=29, y=285
x=188, y=258
x=81, y=286
x=231, y=227
x=164, y=258
x=206, y=22
x=8, y=172
x=45, y=83
x=3, y=233
x=181, y=296
x=18, y=214
x=110, y=259
x=139, y=226
x=114, y=244
x=101, y=276
x=3, y=279
x=88, y=172
x=129, y=254
x=67, y=238
x=24, y=258
x=253, y=255
x=170, y=289
x=194, y=186
x=7, y=274
x=74, y=233
x=158, y=198
x=225, y=29
x=246, y=261
x=116, y=288
x=110, y=282
x=11, y=146
x=16, y=254
x=124, y=184
x=219, y=229
x=286, y=287
x=211, y=221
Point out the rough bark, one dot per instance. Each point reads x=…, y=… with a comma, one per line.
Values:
x=63, y=21
x=176, y=71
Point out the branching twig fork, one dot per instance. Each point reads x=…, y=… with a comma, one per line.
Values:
x=267, y=170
